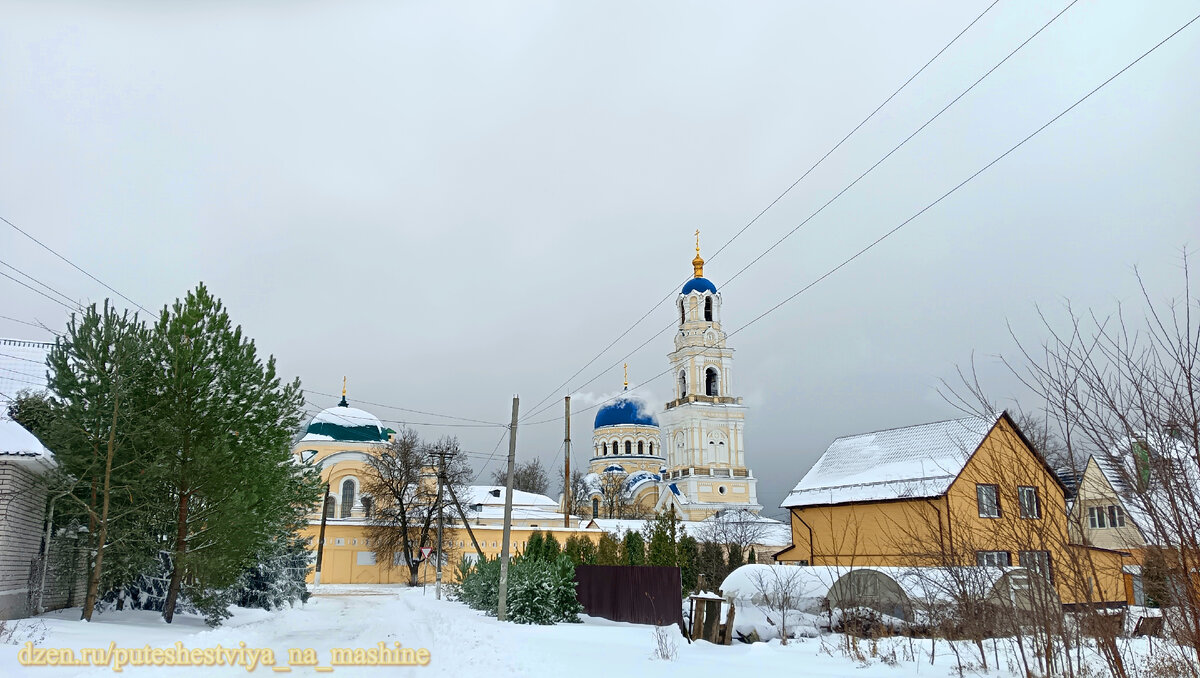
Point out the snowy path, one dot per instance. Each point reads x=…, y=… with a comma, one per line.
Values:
x=461, y=642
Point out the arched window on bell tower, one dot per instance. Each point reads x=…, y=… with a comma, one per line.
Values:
x=682, y=383
x=708, y=308
x=682, y=313
x=710, y=381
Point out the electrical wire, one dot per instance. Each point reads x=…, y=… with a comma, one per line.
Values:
x=924, y=209
x=72, y=264
x=859, y=178
x=534, y=410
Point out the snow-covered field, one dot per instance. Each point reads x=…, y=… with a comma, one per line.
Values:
x=460, y=641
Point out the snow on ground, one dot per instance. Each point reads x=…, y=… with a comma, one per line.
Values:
x=460, y=641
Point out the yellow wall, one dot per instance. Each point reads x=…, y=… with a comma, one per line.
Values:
x=339, y=564
x=948, y=529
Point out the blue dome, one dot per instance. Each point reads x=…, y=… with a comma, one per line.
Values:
x=699, y=284
x=623, y=412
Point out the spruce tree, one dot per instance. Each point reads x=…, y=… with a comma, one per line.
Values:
x=736, y=558
x=752, y=559
x=633, y=549
x=662, y=538
x=608, y=550
x=711, y=564
x=225, y=423
x=689, y=556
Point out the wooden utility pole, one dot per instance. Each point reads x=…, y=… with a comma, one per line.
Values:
x=501, y=612
x=567, y=466
x=441, y=472
x=321, y=536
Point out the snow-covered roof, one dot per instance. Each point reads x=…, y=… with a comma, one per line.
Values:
x=22, y=366
x=490, y=495
x=1125, y=493
x=774, y=533
x=18, y=445
x=899, y=463
x=344, y=423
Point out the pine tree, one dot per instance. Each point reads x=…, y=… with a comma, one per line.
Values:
x=225, y=425
x=752, y=559
x=98, y=428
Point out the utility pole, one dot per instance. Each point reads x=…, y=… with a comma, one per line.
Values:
x=321, y=536
x=567, y=466
x=502, y=613
x=441, y=479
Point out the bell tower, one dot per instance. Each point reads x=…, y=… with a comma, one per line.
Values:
x=703, y=423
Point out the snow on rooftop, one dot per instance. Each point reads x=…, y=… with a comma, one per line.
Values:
x=494, y=494
x=914, y=461
x=22, y=366
x=18, y=444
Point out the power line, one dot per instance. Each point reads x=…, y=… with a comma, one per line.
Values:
x=73, y=264
x=924, y=209
x=69, y=300
x=490, y=456
x=534, y=410
x=37, y=291
x=26, y=322
x=839, y=194
x=401, y=422
x=405, y=409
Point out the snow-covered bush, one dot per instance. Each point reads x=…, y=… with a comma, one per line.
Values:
x=276, y=580
x=541, y=590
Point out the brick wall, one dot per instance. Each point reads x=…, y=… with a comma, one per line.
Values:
x=22, y=507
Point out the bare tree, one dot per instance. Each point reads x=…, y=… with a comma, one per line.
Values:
x=615, y=499
x=1124, y=387
x=528, y=476
x=781, y=589
x=402, y=481
x=734, y=528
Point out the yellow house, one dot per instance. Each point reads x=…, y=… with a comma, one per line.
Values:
x=968, y=491
x=340, y=441
x=1102, y=515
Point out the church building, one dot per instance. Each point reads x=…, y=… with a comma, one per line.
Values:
x=695, y=460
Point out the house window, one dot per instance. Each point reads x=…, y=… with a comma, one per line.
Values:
x=988, y=497
x=330, y=507
x=365, y=558
x=1101, y=517
x=1027, y=497
x=1035, y=561
x=347, y=497
x=1116, y=516
x=993, y=558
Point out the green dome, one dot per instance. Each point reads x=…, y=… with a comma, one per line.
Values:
x=346, y=424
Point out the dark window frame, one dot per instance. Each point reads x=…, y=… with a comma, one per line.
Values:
x=980, y=558
x=1037, y=502
x=996, y=497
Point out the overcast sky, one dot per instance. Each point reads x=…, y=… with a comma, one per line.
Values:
x=452, y=203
